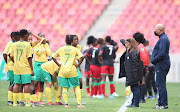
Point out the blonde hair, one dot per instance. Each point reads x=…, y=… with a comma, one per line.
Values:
x=132, y=45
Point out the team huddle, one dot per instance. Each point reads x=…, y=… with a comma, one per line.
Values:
x=26, y=77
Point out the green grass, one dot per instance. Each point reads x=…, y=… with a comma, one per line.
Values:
x=173, y=101
x=96, y=105
x=92, y=105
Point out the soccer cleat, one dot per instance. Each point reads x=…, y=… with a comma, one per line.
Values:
x=156, y=96
x=88, y=95
x=115, y=94
x=80, y=106
x=50, y=103
x=82, y=103
x=59, y=103
x=106, y=95
x=102, y=96
x=40, y=102
x=67, y=106
x=111, y=96
x=132, y=106
x=93, y=96
x=149, y=97
x=15, y=105
x=36, y=104
x=28, y=105
x=142, y=101
x=21, y=104
x=10, y=103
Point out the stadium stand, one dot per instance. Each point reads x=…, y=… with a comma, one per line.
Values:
x=143, y=15
x=54, y=18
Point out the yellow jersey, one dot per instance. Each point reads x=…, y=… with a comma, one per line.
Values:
x=6, y=51
x=78, y=47
x=68, y=55
x=50, y=67
x=41, y=52
x=10, y=62
x=33, y=44
x=21, y=51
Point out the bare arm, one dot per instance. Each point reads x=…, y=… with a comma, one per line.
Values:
x=30, y=63
x=85, y=56
x=11, y=57
x=36, y=36
x=5, y=57
x=80, y=61
x=100, y=56
x=56, y=62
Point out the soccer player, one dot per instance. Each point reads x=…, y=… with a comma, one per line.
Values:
x=68, y=76
x=9, y=72
x=23, y=69
x=47, y=70
x=88, y=73
x=41, y=51
x=107, y=55
x=96, y=66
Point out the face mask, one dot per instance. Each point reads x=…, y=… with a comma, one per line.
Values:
x=155, y=33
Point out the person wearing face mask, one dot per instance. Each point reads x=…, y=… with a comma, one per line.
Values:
x=160, y=58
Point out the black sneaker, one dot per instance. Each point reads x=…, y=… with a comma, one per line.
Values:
x=142, y=101
x=132, y=106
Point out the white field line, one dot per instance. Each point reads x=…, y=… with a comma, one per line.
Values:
x=128, y=101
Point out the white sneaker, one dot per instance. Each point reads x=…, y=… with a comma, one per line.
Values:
x=93, y=96
x=115, y=94
x=97, y=96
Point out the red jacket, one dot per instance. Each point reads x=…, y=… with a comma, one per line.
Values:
x=144, y=55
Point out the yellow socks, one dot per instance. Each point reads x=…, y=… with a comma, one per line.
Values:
x=27, y=97
x=56, y=94
x=78, y=94
x=40, y=96
x=48, y=94
x=10, y=96
x=81, y=91
x=65, y=94
x=20, y=97
x=34, y=97
x=15, y=98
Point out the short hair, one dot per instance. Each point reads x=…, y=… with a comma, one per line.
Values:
x=12, y=34
x=100, y=40
x=108, y=39
x=17, y=35
x=23, y=32
x=139, y=37
x=94, y=40
x=90, y=40
x=69, y=39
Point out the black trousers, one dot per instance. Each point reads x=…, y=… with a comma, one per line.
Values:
x=150, y=81
x=142, y=91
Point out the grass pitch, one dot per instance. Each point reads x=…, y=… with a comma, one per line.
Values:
x=95, y=105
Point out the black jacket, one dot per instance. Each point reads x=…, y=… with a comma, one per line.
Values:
x=133, y=67
x=122, y=72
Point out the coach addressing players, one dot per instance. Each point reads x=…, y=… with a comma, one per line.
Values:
x=160, y=58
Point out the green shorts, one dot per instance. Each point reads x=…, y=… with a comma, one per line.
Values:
x=37, y=71
x=45, y=76
x=22, y=79
x=79, y=73
x=11, y=78
x=68, y=82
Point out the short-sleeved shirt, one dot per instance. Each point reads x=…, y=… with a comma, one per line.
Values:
x=68, y=55
x=78, y=47
x=87, y=65
x=50, y=67
x=93, y=52
x=6, y=51
x=108, y=54
x=21, y=51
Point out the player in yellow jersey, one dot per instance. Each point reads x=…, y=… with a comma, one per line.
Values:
x=23, y=69
x=33, y=43
x=49, y=69
x=75, y=44
x=9, y=73
x=68, y=76
x=41, y=51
